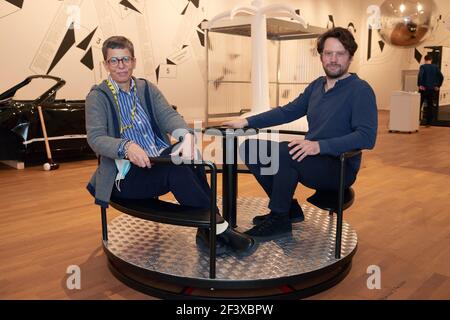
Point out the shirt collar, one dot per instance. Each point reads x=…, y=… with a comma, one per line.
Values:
x=118, y=89
x=342, y=81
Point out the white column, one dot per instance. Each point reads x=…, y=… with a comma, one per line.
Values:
x=260, y=78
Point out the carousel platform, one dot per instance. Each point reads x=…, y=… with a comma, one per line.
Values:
x=165, y=261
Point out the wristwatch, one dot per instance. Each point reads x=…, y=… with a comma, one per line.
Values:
x=127, y=145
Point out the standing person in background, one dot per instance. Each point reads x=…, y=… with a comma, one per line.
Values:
x=429, y=81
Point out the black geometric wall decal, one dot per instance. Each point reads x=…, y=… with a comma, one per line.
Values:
x=17, y=3
x=170, y=62
x=128, y=5
x=184, y=11
x=200, y=24
x=369, y=44
x=351, y=25
x=88, y=59
x=201, y=37
x=297, y=11
x=196, y=3
x=157, y=74
x=417, y=55
x=85, y=43
x=184, y=46
x=330, y=19
x=66, y=44
x=381, y=44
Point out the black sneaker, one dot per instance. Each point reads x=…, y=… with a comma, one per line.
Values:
x=295, y=214
x=276, y=225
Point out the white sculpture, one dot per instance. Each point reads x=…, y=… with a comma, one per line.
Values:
x=260, y=79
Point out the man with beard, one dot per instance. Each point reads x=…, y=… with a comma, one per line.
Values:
x=342, y=116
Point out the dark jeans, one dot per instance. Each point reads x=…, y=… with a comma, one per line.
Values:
x=429, y=95
x=187, y=183
x=318, y=172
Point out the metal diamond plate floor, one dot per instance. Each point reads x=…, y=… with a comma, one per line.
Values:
x=173, y=250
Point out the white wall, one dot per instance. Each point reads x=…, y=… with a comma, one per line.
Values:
x=160, y=32
x=35, y=32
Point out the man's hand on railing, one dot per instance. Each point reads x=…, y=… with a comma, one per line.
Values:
x=237, y=124
x=301, y=148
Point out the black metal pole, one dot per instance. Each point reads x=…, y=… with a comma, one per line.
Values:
x=234, y=185
x=212, y=233
x=225, y=180
x=104, y=224
x=229, y=180
x=340, y=209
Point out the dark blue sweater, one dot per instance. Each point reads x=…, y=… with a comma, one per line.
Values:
x=430, y=76
x=342, y=119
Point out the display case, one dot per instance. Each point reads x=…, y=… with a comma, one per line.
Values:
x=293, y=63
x=405, y=110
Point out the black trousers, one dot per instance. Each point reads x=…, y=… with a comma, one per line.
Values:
x=316, y=172
x=187, y=183
x=429, y=96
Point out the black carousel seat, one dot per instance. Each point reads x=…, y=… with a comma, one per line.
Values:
x=329, y=199
x=165, y=212
x=333, y=201
x=170, y=213
x=336, y=201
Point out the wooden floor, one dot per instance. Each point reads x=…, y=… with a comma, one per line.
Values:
x=48, y=222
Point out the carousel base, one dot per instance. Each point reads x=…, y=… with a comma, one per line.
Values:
x=165, y=261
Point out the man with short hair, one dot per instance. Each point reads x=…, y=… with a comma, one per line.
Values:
x=128, y=120
x=342, y=116
x=429, y=81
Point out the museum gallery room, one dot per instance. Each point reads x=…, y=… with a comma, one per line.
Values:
x=240, y=149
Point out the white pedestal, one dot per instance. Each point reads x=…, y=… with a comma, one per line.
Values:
x=405, y=111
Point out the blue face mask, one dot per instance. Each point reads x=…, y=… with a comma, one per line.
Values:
x=123, y=166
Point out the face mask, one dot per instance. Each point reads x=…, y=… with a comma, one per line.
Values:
x=123, y=166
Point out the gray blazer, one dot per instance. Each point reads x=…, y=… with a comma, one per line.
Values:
x=103, y=130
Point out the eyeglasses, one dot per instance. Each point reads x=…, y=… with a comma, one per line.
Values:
x=339, y=54
x=114, y=61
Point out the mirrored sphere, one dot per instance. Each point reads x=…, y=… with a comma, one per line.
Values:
x=407, y=23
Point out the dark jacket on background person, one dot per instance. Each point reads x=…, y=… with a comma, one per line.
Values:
x=430, y=76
